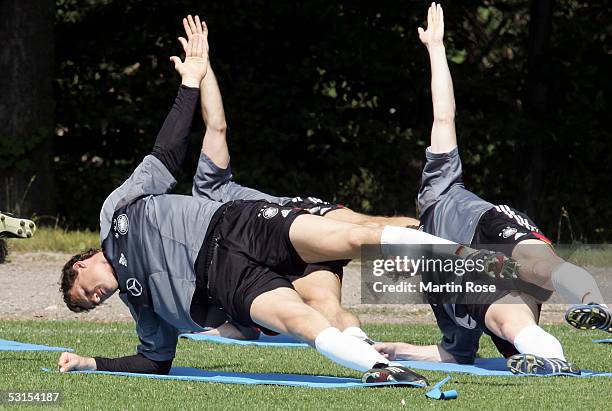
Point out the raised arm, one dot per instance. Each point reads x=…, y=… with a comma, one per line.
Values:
x=443, y=136
x=214, y=144
x=171, y=143
x=213, y=179
x=156, y=173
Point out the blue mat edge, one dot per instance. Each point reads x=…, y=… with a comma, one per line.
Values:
x=452, y=368
x=17, y=346
x=230, y=341
x=348, y=384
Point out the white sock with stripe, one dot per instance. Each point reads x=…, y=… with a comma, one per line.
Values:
x=347, y=351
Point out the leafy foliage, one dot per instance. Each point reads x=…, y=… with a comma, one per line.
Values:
x=332, y=98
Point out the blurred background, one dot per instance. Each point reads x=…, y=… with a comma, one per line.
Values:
x=327, y=98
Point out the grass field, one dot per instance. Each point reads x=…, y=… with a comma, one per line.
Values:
x=57, y=240
x=21, y=372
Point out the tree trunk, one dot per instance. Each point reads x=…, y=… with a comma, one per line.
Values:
x=537, y=96
x=26, y=106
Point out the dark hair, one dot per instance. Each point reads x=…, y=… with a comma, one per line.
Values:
x=69, y=275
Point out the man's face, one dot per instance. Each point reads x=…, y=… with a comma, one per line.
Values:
x=94, y=283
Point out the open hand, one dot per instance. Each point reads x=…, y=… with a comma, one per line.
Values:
x=193, y=69
x=434, y=34
x=72, y=362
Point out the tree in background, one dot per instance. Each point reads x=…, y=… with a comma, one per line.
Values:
x=26, y=106
x=332, y=98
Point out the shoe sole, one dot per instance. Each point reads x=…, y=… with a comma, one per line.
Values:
x=12, y=227
x=582, y=317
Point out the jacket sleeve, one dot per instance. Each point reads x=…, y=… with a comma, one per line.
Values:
x=441, y=172
x=171, y=143
x=134, y=363
x=217, y=184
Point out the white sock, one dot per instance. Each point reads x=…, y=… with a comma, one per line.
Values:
x=355, y=332
x=534, y=340
x=347, y=351
x=399, y=235
x=402, y=235
x=575, y=285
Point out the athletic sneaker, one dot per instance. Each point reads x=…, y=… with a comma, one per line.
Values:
x=589, y=317
x=529, y=364
x=387, y=373
x=14, y=227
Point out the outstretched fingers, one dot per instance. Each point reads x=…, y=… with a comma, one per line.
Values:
x=192, y=25
x=198, y=24
x=187, y=28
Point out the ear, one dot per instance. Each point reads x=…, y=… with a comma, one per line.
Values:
x=79, y=265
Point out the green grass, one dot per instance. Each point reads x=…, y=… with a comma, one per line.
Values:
x=56, y=240
x=21, y=371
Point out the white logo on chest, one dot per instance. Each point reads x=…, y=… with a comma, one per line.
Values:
x=122, y=224
x=123, y=260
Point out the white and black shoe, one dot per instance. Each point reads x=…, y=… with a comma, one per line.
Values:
x=392, y=373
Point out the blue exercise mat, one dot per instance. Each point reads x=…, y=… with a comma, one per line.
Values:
x=487, y=366
x=605, y=341
x=6, y=345
x=284, y=341
x=291, y=380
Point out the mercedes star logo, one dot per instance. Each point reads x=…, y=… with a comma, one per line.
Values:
x=134, y=287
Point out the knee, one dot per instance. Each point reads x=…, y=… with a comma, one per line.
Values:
x=507, y=329
x=360, y=235
x=507, y=326
x=326, y=303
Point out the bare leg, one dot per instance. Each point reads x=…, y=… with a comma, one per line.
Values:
x=537, y=261
x=509, y=315
x=349, y=216
x=282, y=310
x=513, y=318
x=321, y=290
x=541, y=266
x=319, y=239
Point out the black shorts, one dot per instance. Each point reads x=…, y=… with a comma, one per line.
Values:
x=314, y=205
x=249, y=253
x=502, y=227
